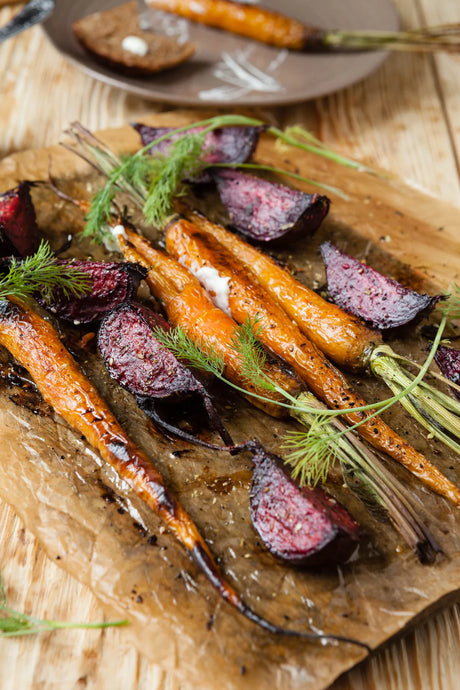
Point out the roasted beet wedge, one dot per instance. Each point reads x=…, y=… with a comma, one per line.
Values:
x=111, y=285
x=267, y=212
x=225, y=145
x=148, y=370
x=305, y=527
x=364, y=292
x=448, y=360
x=19, y=233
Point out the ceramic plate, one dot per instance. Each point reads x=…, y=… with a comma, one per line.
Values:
x=227, y=69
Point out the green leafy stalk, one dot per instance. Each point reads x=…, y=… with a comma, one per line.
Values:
x=14, y=624
x=300, y=138
x=445, y=37
x=41, y=272
x=433, y=409
x=152, y=181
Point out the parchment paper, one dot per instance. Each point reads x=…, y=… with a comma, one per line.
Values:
x=85, y=517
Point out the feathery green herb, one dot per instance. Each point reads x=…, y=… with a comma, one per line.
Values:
x=153, y=180
x=311, y=452
x=41, y=272
x=13, y=624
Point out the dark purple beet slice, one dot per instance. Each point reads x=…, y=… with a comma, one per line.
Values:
x=225, y=145
x=364, y=292
x=268, y=212
x=448, y=360
x=147, y=369
x=19, y=233
x=111, y=285
x=303, y=526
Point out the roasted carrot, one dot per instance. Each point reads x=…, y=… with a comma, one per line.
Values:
x=196, y=249
x=343, y=338
x=187, y=305
x=246, y=20
x=276, y=29
x=37, y=346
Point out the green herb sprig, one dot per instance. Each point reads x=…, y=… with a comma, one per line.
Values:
x=311, y=453
x=152, y=181
x=41, y=272
x=14, y=624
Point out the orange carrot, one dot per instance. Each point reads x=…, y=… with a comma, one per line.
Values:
x=343, y=338
x=197, y=248
x=187, y=305
x=246, y=20
x=37, y=346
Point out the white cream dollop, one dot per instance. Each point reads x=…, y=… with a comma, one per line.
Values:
x=216, y=286
x=135, y=45
x=111, y=242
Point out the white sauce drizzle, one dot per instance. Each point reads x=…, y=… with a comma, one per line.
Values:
x=215, y=285
x=242, y=76
x=135, y=45
x=111, y=242
x=161, y=22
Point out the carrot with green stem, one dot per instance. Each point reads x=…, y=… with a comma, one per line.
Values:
x=197, y=250
x=343, y=338
x=266, y=25
x=210, y=340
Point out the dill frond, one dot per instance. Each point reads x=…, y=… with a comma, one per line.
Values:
x=183, y=161
x=178, y=342
x=311, y=453
x=252, y=353
x=41, y=272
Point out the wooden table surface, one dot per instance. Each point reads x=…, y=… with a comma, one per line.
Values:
x=405, y=117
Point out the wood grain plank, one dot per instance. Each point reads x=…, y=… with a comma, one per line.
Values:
x=394, y=119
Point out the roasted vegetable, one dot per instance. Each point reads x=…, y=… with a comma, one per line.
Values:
x=260, y=24
x=224, y=145
x=361, y=290
x=196, y=249
x=448, y=360
x=343, y=338
x=37, y=347
x=187, y=305
x=305, y=527
x=19, y=233
x=267, y=212
x=111, y=284
x=150, y=372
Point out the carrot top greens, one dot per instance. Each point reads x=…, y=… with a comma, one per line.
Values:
x=152, y=181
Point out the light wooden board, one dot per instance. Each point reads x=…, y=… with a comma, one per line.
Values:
x=406, y=118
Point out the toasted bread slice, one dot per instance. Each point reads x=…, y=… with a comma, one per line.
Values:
x=104, y=34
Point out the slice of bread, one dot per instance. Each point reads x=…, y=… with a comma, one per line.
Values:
x=102, y=35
